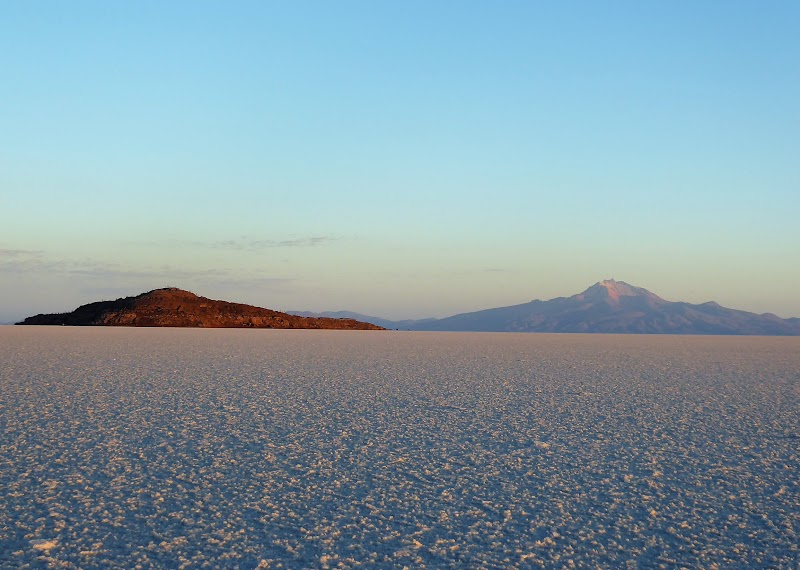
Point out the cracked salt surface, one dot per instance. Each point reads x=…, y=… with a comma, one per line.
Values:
x=143, y=448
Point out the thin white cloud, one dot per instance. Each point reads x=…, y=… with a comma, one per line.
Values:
x=301, y=242
x=17, y=253
x=241, y=244
x=104, y=272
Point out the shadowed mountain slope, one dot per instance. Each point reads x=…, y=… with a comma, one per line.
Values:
x=605, y=307
x=616, y=307
x=408, y=324
x=171, y=307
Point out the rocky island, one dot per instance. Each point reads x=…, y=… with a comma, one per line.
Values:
x=172, y=307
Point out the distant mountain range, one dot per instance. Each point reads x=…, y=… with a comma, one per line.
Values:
x=408, y=324
x=171, y=307
x=605, y=307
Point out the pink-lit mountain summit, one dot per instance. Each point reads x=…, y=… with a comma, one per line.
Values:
x=608, y=306
x=613, y=290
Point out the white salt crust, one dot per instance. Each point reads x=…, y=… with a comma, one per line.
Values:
x=170, y=448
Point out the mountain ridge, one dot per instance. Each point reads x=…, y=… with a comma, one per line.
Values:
x=608, y=306
x=380, y=321
x=173, y=307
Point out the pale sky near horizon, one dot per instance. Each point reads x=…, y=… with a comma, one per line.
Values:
x=400, y=159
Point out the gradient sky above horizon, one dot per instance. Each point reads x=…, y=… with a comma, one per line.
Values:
x=400, y=159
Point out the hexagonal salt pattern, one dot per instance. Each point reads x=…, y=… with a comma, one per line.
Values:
x=167, y=448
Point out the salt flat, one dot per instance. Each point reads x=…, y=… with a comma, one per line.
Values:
x=294, y=449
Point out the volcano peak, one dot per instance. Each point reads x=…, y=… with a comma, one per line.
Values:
x=612, y=289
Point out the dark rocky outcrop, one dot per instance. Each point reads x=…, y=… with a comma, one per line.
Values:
x=171, y=307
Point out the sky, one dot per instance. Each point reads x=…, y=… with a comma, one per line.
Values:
x=399, y=159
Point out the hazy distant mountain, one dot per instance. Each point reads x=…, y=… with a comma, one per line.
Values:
x=171, y=307
x=616, y=307
x=408, y=324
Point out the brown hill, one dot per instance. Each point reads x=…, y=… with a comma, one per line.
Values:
x=171, y=307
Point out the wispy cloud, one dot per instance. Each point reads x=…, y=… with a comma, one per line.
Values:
x=301, y=242
x=476, y=271
x=39, y=263
x=241, y=244
x=105, y=272
x=17, y=253
x=257, y=244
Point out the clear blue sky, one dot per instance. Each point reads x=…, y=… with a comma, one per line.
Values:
x=401, y=159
